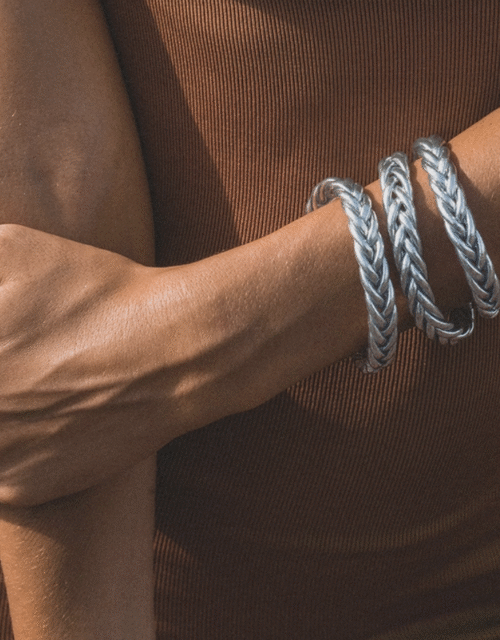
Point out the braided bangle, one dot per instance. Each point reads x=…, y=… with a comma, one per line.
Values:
x=459, y=224
x=397, y=196
x=373, y=268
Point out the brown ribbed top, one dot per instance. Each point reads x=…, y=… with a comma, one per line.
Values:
x=349, y=507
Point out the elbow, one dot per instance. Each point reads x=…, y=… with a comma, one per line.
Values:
x=24, y=496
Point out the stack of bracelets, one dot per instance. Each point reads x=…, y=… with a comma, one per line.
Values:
x=402, y=228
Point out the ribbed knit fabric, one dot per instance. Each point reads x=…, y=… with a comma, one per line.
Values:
x=350, y=507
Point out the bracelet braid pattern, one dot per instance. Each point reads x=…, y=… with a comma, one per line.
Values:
x=459, y=224
x=373, y=268
x=398, y=203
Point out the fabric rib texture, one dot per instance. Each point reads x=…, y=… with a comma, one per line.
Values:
x=349, y=507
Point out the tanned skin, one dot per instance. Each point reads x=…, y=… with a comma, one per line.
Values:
x=135, y=356
x=78, y=568
x=128, y=357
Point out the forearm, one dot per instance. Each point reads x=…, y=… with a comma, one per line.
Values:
x=80, y=567
x=178, y=348
x=272, y=312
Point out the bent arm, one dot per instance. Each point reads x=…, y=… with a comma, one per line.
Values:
x=254, y=320
x=177, y=348
x=70, y=164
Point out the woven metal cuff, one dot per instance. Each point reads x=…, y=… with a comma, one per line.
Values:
x=373, y=268
x=459, y=224
x=397, y=196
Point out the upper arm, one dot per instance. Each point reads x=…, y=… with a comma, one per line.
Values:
x=70, y=160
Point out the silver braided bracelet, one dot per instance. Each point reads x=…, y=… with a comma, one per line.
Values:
x=398, y=203
x=459, y=224
x=373, y=268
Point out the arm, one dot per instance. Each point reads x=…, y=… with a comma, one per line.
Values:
x=80, y=567
x=203, y=340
